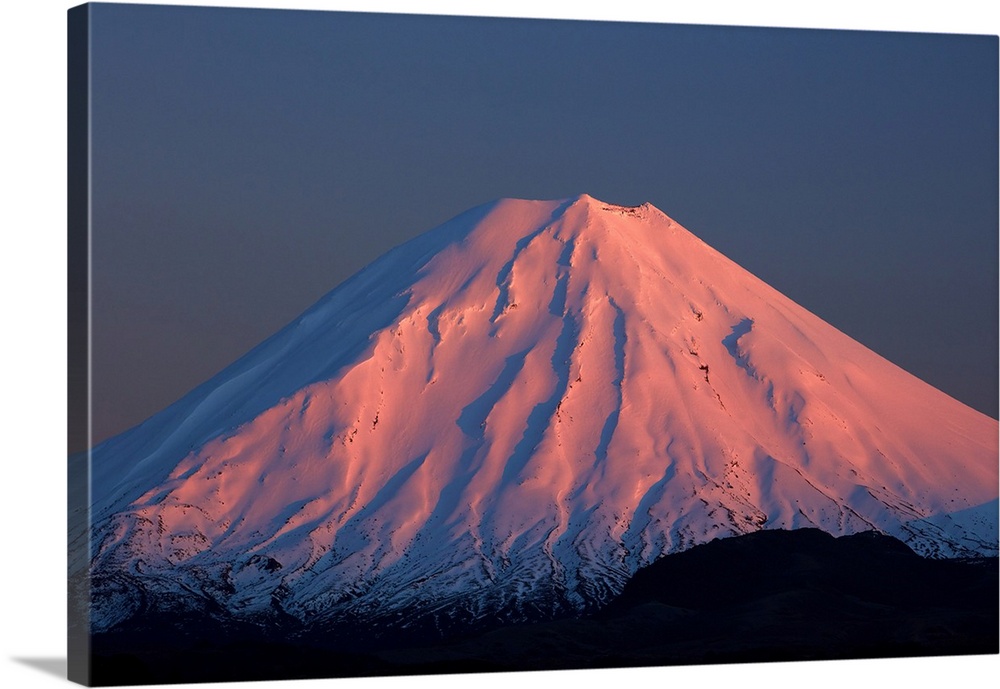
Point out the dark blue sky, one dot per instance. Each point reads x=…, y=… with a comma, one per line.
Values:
x=247, y=161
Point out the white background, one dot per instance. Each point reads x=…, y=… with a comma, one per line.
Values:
x=33, y=331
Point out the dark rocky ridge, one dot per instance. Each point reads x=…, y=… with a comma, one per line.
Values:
x=766, y=596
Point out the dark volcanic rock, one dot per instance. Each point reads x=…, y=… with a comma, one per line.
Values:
x=767, y=596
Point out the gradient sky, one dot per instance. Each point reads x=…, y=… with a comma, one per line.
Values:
x=245, y=162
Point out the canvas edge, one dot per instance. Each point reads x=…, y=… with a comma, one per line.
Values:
x=78, y=342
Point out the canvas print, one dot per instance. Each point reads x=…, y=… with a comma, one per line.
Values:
x=414, y=344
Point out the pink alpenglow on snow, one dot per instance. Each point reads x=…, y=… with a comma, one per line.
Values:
x=520, y=408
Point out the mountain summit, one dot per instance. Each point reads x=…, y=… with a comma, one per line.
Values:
x=508, y=416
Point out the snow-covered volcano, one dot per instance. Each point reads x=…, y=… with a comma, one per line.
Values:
x=509, y=415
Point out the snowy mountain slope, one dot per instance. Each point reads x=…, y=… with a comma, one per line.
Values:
x=510, y=414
